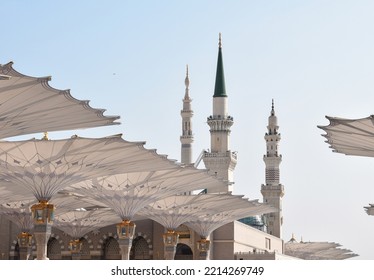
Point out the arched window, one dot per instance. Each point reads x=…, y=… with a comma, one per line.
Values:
x=139, y=249
x=85, y=251
x=111, y=249
x=53, y=249
x=183, y=252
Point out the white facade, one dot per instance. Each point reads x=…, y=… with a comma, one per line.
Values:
x=236, y=237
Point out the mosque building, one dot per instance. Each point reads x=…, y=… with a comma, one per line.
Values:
x=252, y=237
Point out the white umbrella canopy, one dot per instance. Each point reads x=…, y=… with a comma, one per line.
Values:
x=44, y=167
x=334, y=254
x=19, y=212
x=205, y=224
x=30, y=105
x=317, y=251
x=128, y=193
x=173, y=211
x=77, y=223
x=353, y=137
x=350, y=136
x=68, y=202
x=10, y=192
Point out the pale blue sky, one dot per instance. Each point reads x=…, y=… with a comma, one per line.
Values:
x=315, y=58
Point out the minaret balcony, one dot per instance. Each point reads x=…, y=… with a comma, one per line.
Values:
x=275, y=189
x=220, y=125
x=230, y=154
x=186, y=139
x=220, y=117
x=187, y=114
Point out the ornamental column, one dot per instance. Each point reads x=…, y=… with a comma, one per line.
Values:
x=203, y=245
x=42, y=215
x=125, y=232
x=25, y=245
x=171, y=238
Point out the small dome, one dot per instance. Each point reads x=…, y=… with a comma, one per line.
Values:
x=254, y=221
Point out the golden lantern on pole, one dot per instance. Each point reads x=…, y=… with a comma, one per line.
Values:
x=43, y=213
x=24, y=239
x=75, y=246
x=171, y=238
x=203, y=245
x=126, y=229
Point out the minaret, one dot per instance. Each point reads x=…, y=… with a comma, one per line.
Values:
x=220, y=160
x=187, y=136
x=273, y=191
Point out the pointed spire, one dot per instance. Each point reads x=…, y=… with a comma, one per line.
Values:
x=187, y=80
x=187, y=84
x=220, y=89
x=273, y=120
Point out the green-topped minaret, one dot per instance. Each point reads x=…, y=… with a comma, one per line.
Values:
x=220, y=160
x=220, y=88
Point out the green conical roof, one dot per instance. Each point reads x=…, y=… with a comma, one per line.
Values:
x=220, y=89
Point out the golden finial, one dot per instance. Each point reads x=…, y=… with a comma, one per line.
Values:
x=45, y=137
x=220, y=41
